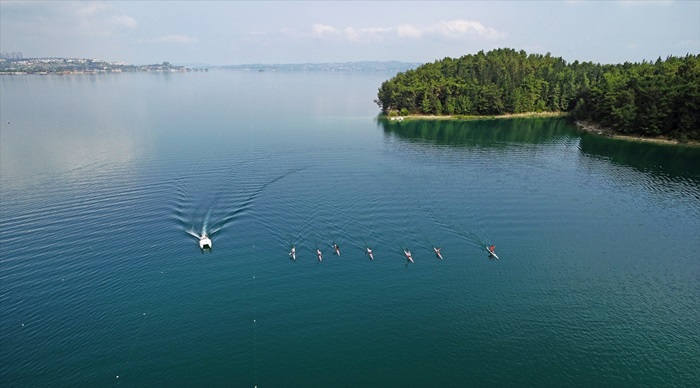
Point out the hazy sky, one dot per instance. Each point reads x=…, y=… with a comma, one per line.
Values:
x=239, y=32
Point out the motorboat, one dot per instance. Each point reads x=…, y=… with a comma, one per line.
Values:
x=204, y=242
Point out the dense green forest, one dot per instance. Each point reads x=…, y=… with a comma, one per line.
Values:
x=660, y=98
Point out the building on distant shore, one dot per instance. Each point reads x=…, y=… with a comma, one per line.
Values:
x=6, y=55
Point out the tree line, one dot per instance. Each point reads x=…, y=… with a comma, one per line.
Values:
x=660, y=98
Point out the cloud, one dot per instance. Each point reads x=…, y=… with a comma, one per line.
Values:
x=449, y=29
x=369, y=33
x=177, y=39
x=460, y=28
x=323, y=30
x=409, y=31
x=329, y=32
x=352, y=34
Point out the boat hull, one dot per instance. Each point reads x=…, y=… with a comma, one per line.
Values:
x=491, y=254
x=204, y=243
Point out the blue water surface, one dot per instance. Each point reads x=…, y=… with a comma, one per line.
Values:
x=105, y=179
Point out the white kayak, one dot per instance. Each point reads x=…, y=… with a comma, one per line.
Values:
x=293, y=253
x=437, y=252
x=408, y=255
x=491, y=253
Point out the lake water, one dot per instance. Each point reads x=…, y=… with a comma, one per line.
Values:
x=102, y=177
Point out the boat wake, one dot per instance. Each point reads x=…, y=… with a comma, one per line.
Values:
x=222, y=211
x=478, y=239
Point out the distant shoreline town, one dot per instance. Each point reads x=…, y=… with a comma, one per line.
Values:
x=13, y=63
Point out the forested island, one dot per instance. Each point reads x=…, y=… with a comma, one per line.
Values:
x=658, y=99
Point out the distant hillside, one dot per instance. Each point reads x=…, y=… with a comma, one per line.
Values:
x=363, y=66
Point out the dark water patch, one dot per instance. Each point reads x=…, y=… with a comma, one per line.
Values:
x=673, y=161
x=481, y=133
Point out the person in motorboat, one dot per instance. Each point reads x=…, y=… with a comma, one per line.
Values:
x=336, y=248
x=368, y=252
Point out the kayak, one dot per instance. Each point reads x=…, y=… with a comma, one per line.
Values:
x=437, y=252
x=491, y=253
x=293, y=253
x=337, y=249
x=408, y=255
x=369, y=253
x=320, y=256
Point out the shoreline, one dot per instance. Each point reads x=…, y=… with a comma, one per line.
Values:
x=583, y=126
x=485, y=117
x=588, y=127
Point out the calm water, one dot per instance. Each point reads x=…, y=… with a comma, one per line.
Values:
x=102, y=178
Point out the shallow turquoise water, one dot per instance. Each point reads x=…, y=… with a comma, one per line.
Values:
x=102, y=177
